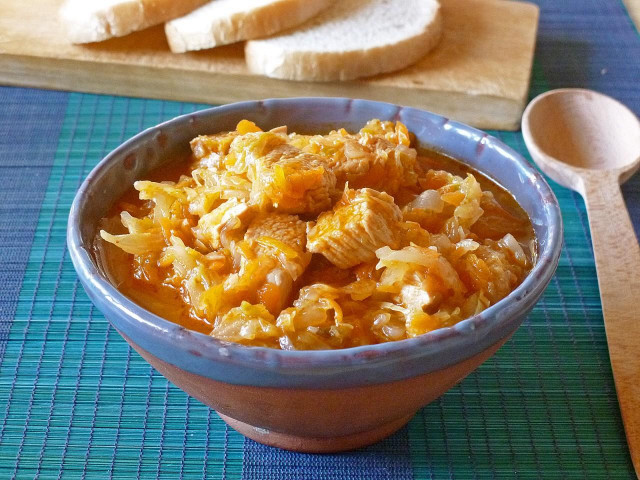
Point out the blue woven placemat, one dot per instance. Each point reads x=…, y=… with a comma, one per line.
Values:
x=76, y=402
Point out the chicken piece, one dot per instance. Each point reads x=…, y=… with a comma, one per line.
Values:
x=361, y=222
x=209, y=150
x=292, y=181
x=377, y=163
x=277, y=241
x=378, y=157
x=247, y=149
x=288, y=230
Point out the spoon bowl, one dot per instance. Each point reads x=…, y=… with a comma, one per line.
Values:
x=570, y=130
x=590, y=143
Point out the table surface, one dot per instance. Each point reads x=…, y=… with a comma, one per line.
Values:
x=76, y=402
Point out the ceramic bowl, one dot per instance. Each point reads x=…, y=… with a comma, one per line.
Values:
x=313, y=401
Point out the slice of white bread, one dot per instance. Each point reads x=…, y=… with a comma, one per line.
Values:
x=355, y=38
x=221, y=22
x=96, y=20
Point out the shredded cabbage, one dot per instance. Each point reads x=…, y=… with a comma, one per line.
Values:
x=399, y=249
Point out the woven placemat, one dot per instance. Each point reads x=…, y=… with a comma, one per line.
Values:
x=77, y=402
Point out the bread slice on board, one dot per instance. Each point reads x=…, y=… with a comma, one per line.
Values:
x=220, y=22
x=96, y=20
x=355, y=38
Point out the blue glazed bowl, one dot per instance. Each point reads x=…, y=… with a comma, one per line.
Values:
x=313, y=400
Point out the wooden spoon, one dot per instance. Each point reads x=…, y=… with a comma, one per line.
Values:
x=590, y=143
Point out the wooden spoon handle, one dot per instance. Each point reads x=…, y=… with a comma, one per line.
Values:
x=617, y=256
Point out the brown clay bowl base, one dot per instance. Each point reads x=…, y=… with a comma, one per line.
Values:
x=316, y=444
x=318, y=420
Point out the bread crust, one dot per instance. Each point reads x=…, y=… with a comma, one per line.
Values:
x=308, y=65
x=86, y=22
x=258, y=22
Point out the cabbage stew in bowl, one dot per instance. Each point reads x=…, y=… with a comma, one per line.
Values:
x=311, y=242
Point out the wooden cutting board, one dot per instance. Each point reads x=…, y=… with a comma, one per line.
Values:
x=478, y=74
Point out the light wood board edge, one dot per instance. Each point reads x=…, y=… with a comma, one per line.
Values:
x=633, y=7
x=481, y=111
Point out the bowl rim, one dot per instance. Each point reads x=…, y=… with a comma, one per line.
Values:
x=517, y=301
